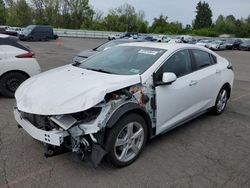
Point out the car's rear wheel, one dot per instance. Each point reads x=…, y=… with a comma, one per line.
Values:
x=10, y=82
x=221, y=101
x=126, y=140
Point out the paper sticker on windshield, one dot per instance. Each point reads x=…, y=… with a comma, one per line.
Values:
x=148, y=52
x=136, y=71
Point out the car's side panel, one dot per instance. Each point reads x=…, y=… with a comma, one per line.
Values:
x=11, y=63
x=176, y=101
x=190, y=94
x=208, y=85
x=2, y=57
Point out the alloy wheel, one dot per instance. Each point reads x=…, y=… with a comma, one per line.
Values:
x=129, y=142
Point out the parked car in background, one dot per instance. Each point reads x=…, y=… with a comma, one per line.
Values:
x=186, y=38
x=158, y=38
x=8, y=32
x=229, y=44
x=245, y=45
x=38, y=33
x=203, y=43
x=150, y=38
x=217, y=45
x=15, y=29
x=115, y=101
x=114, y=36
x=87, y=53
x=127, y=35
x=166, y=39
x=236, y=44
x=17, y=63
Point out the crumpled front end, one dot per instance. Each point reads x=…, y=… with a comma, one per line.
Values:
x=81, y=132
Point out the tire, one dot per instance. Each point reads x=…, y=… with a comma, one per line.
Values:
x=31, y=39
x=221, y=101
x=10, y=82
x=129, y=146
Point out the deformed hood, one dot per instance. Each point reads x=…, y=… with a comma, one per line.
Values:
x=68, y=89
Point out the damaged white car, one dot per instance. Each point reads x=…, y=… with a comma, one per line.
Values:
x=113, y=102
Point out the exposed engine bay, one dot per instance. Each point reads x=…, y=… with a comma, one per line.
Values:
x=84, y=132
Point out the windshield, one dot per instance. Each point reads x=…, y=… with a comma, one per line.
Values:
x=28, y=29
x=123, y=60
x=217, y=42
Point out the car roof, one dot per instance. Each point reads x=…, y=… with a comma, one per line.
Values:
x=128, y=40
x=169, y=47
x=159, y=45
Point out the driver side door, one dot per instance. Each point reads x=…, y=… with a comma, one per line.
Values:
x=176, y=101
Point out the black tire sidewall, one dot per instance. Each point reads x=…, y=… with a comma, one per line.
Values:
x=3, y=90
x=113, y=133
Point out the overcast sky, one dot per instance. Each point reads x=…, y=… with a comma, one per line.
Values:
x=178, y=10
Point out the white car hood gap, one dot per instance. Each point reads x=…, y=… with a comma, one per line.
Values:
x=68, y=89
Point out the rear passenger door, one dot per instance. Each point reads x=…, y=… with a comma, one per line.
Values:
x=207, y=76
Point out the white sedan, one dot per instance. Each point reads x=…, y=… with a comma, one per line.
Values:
x=113, y=102
x=17, y=63
x=217, y=45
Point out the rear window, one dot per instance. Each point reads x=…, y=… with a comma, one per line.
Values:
x=12, y=42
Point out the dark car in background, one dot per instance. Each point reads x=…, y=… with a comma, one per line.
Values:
x=87, y=53
x=38, y=33
x=236, y=44
x=150, y=38
x=245, y=45
x=129, y=35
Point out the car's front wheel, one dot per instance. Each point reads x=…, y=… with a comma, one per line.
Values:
x=221, y=101
x=126, y=140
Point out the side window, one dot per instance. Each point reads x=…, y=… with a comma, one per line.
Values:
x=213, y=59
x=202, y=59
x=179, y=63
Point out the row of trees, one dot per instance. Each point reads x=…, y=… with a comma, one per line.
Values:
x=76, y=14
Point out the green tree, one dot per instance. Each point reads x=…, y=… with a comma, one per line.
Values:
x=220, y=24
x=203, y=17
x=162, y=26
x=2, y=13
x=81, y=13
x=159, y=24
x=23, y=14
x=125, y=18
x=11, y=14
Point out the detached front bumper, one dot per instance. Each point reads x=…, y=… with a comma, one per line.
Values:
x=54, y=137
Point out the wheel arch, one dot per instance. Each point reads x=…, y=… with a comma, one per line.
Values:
x=15, y=71
x=228, y=88
x=131, y=108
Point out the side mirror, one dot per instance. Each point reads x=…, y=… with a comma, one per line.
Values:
x=168, y=77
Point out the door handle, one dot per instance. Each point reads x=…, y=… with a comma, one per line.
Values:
x=193, y=82
x=218, y=71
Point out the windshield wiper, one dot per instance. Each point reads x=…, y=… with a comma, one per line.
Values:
x=76, y=63
x=99, y=70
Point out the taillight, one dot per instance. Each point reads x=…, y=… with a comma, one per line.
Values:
x=26, y=55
